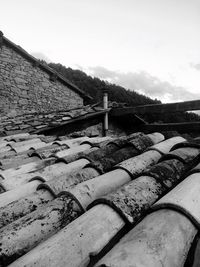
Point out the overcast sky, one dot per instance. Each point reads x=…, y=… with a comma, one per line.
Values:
x=152, y=46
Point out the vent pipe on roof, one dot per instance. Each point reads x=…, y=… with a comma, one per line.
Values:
x=105, y=106
x=1, y=38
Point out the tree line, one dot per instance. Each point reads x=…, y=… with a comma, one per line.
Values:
x=95, y=86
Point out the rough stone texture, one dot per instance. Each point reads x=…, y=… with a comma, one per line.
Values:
x=97, y=130
x=27, y=88
x=91, y=131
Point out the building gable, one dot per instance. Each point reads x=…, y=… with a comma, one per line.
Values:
x=26, y=85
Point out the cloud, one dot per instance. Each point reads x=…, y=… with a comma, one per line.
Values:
x=146, y=84
x=41, y=56
x=196, y=66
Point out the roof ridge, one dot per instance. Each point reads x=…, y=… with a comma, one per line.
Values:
x=44, y=67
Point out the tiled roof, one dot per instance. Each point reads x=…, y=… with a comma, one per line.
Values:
x=37, y=122
x=105, y=201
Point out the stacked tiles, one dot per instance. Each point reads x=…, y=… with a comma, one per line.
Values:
x=27, y=232
x=24, y=199
x=110, y=215
x=164, y=237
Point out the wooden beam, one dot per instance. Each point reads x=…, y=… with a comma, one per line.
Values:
x=75, y=124
x=185, y=127
x=158, y=108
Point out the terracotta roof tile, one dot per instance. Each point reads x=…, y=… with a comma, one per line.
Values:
x=68, y=202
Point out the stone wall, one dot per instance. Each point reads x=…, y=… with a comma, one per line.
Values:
x=97, y=130
x=89, y=127
x=27, y=88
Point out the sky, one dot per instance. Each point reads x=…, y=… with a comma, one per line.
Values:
x=151, y=46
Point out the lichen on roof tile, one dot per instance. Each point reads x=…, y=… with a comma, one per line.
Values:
x=45, y=189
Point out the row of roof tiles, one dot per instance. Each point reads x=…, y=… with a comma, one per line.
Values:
x=67, y=202
x=32, y=122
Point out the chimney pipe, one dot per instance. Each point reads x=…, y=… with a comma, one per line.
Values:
x=105, y=106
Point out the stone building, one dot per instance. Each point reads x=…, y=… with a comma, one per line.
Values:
x=27, y=86
x=34, y=98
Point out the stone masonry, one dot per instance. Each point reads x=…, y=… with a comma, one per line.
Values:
x=27, y=88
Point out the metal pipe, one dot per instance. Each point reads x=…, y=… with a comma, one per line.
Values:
x=105, y=106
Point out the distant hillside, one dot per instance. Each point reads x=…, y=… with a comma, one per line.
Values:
x=94, y=87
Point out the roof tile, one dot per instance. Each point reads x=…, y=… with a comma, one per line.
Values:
x=160, y=239
x=115, y=181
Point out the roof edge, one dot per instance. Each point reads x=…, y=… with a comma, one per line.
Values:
x=45, y=68
x=73, y=120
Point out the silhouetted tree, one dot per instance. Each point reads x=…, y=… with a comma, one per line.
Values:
x=94, y=87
